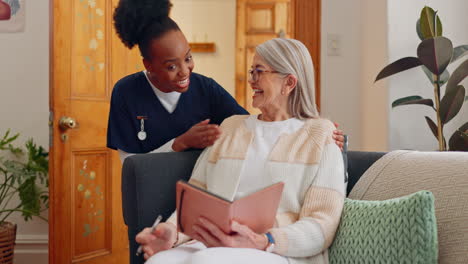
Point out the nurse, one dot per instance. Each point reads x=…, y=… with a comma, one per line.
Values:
x=166, y=107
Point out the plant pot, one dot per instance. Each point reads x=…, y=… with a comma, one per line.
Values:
x=7, y=242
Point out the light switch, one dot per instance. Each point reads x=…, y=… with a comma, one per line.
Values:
x=333, y=45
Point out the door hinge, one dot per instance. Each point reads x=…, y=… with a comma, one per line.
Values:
x=51, y=129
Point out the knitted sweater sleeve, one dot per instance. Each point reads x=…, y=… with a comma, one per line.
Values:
x=199, y=171
x=321, y=210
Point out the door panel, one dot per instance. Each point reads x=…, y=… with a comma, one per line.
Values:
x=87, y=58
x=88, y=50
x=260, y=18
x=92, y=214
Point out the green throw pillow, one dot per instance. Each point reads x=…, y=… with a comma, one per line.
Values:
x=400, y=230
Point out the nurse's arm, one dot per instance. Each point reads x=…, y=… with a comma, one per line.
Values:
x=199, y=136
x=164, y=148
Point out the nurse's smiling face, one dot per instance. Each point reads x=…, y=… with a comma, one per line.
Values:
x=171, y=62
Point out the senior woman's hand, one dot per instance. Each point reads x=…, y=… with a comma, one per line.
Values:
x=210, y=235
x=163, y=237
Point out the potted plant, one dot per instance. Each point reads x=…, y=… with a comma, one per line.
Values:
x=24, y=175
x=434, y=54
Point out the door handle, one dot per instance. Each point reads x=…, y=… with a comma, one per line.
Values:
x=66, y=123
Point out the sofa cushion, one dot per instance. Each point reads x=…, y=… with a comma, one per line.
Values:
x=399, y=230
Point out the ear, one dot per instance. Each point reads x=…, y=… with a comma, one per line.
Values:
x=147, y=65
x=290, y=83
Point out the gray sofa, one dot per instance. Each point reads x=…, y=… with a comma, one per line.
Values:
x=148, y=186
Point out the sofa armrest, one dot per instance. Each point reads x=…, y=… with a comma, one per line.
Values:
x=148, y=189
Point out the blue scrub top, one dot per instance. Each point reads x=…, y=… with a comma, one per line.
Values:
x=133, y=96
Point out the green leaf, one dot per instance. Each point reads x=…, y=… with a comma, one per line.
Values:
x=443, y=78
x=432, y=126
x=451, y=104
x=459, y=140
x=418, y=29
x=429, y=29
x=459, y=52
x=30, y=199
x=37, y=157
x=436, y=54
x=398, y=66
x=5, y=143
x=412, y=100
x=457, y=77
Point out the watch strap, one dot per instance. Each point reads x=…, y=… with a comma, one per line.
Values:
x=271, y=242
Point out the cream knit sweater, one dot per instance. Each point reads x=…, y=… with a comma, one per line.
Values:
x=311, y=166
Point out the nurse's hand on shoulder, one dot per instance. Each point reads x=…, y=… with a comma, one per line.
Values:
x=210, y=235
x=162, y=238
x=338, y=136
x=201, y=135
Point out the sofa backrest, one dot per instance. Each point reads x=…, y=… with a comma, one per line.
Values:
x=148, y=189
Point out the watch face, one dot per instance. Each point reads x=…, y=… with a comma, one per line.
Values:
x=270, y=248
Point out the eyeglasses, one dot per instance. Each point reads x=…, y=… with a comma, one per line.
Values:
x=255, y=73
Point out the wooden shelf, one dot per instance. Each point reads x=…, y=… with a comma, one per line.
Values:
x=202, y=46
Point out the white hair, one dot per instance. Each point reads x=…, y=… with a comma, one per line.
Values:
x=290, y=56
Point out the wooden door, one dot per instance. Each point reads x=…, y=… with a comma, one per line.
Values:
x=87, y=58
x=261, y=20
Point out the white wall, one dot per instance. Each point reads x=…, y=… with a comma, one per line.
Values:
x=24, y=93
x=210, y=21
x=408, y=128
x=374, y=96
x=341, y=75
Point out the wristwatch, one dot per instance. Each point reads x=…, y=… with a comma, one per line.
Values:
x=271, y=242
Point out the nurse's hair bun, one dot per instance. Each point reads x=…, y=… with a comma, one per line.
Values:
x=133, y=19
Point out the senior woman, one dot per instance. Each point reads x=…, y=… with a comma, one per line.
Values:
x=287, y=142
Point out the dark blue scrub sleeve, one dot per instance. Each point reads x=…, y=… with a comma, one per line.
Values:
x=223, y=105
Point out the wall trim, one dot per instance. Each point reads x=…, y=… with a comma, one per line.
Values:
x=32, y=239
x=32, y=244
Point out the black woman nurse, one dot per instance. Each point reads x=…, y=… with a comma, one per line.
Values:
x=166, y=107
